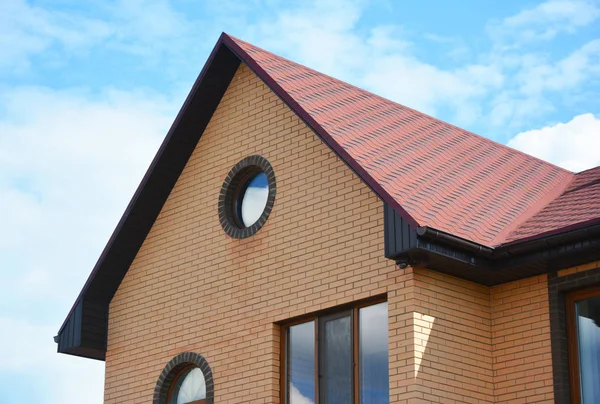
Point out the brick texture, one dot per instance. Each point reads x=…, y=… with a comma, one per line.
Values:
x=559, y=285
x=522, y=354
x=579, y=268
x=193, y=288
x=453, y=352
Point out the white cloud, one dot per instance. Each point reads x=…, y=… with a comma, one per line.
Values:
x=544, y=21
x=69, y=163
x=537, y=76
x=27, y=31
x=28, y=351
x=297, y=398
x=573, y=145
x=326, y=37
x=148, y=29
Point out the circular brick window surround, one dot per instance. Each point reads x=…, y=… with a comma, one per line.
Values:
x=247, y=197
x=173, y=371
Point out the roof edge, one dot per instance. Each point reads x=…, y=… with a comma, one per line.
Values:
x=534, y=209
x=144, y=181
x=537, y=242
x=318, y=129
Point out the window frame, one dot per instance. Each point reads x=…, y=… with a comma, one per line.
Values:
x=175, y=369
x=572, y=339
x=319, y=318
x=234, y=188
x=179, y=375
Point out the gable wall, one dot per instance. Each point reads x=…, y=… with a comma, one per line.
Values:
x=193, y=288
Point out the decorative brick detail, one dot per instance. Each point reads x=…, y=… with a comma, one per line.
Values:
x=558, y=287
x=174, y=367
x=229, y=192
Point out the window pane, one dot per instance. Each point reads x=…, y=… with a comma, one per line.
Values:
x=588, y=335
x=190, y=386
x=301, y=363
x=255, y=199
x=337, y=366
x=373, y=352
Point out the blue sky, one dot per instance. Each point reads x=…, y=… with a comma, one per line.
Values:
x=89, y=89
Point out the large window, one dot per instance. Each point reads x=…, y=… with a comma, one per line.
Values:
x=338, y=358
x=583, y=327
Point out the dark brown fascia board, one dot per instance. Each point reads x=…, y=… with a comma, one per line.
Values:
x=319, y=130
x=527, y=245
x=447, y=253
x=137, y=219
x=227, y=41
x=134, y=203
x=465, y=259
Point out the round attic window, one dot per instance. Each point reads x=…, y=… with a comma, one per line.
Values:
x=247, y=197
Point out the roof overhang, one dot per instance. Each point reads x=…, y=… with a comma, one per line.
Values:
x=85, y=334
x=444, y=252
x=84, y=331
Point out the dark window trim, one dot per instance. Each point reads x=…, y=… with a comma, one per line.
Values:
x=558, y=289
x=233, y=188
x=175, y=380
x=321, y=320
x=572, y=340
x=174, y=369
x=350, y=309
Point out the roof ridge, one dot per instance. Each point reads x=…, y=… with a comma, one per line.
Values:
x=334, y=145
x=502, y=188
x=533, y=210
x=387, y=100
x=588, y=169
x=585, y=185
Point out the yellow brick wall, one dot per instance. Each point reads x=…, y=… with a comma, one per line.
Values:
x=482, y=345
x=452, y=340
x=579, y=268
x=522, y=357
x=192, y=288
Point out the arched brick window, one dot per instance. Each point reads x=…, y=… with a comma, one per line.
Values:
x=187, y=375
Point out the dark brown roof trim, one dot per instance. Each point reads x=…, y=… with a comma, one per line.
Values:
x=466, y=259
x=133, y=227
x=154, y=189
x=318, y=129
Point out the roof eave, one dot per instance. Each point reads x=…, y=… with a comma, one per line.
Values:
x=138, y=218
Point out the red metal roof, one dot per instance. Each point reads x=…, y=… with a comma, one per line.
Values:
x=433, y=173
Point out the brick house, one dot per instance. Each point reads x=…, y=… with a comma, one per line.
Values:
x=299, y=240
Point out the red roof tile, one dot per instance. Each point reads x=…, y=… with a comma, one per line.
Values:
x=578, y=204
x=436, y=174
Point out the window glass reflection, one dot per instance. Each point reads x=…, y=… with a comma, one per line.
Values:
x=190, y=386
x=373, y=352
x=588, y=335
x=255, y=199
x=301, y=363
x=337, y=374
